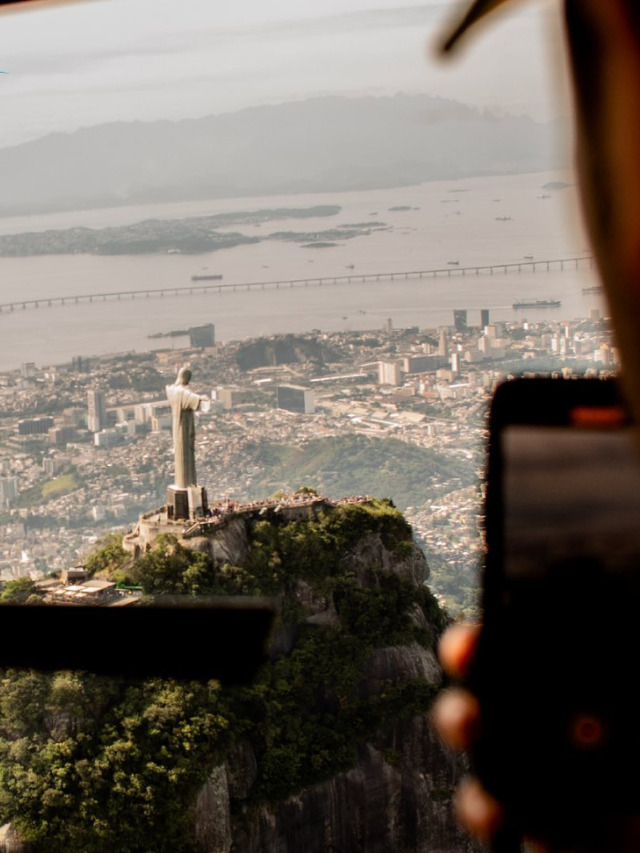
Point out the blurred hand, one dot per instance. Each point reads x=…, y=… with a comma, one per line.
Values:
x=456, y=715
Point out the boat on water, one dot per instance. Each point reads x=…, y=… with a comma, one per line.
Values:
x=594, y=288
x=537, y=303
x=215, y=277
x=453, y=263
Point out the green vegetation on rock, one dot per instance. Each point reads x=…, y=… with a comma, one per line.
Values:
x=20, y=591
x=355, y=464
x=96, y=765
x=90, y=764
x=108, y=556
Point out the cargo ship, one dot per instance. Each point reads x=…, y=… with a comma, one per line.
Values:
x=215, y=277
x=537, y=303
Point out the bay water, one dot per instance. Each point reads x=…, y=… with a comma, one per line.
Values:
x=446, y=225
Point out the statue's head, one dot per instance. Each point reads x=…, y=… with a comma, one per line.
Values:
x=184, y=376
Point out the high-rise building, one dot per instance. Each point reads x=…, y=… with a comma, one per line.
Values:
x=484, y=345
x=8, y=490
x=35, y=426
x=79, y=364
x=460, y=319
x=61, y=436
x=295, y=398
x=202, y=336
x=484, y=317
x=107, y=438
x=389, y=373
x=231, y=395
x=97, y=411
x=443, y=344
x=421, y=363
x=144, y=412
x=51, y=465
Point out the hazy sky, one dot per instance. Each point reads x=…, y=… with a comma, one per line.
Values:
x=103, y=60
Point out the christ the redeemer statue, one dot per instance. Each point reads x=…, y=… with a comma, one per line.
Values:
x=183, y=404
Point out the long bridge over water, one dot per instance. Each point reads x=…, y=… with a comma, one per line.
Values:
x=200, y=287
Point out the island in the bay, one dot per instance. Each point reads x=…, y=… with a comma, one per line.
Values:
x=193, y=235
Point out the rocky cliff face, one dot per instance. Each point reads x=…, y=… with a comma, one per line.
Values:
x=396, y=798
x=330, y=748
x=286, y=349
x=10, y=841
x=397, y=795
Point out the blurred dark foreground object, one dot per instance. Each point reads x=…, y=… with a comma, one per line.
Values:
x=24, y=2
x=221, y=638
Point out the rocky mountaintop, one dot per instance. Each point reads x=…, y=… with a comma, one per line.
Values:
x=330, y=748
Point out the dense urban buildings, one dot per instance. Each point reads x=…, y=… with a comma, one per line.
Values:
x=412, y=400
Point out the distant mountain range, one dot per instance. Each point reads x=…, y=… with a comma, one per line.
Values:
x=319, y=145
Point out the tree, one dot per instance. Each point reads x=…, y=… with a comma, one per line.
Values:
x=18, y=591
x=107, y=556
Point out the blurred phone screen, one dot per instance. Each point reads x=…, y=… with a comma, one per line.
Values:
x=570, y=494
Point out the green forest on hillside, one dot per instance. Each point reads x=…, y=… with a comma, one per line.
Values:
x=357, y=465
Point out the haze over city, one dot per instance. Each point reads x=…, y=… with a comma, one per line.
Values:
x=83, y=64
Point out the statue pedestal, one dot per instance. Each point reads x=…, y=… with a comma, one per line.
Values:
x=186, y=504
